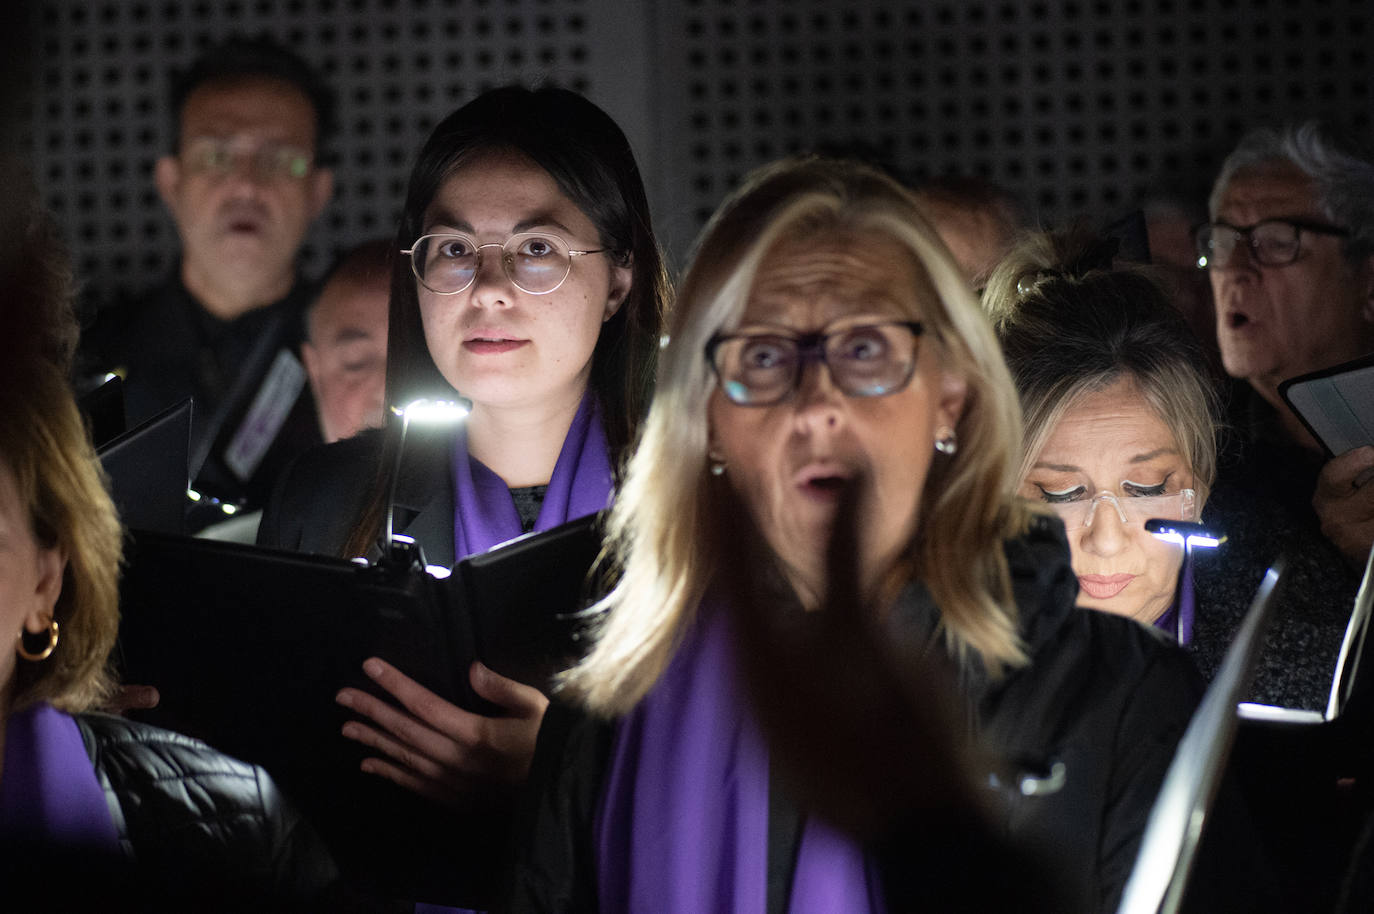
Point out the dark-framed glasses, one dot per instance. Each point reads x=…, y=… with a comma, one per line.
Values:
x=218, y=157
x=1272, y=242
x=537, y=262
x=865, y=360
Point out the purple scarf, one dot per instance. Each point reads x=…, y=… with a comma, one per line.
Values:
x=1178, y=619
x=484, y=513
x=683, y=823
x=48, y=789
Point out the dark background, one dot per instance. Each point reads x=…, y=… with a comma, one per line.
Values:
x=1080, y=107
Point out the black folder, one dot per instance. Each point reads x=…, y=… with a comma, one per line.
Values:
x=1335, y=404
x=103, y=407
x=147, y=466
x=248, y=647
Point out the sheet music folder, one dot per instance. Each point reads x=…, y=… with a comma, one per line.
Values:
x=1335, y=404
x=248, y=647
x=1174, y=829
x=148, y=473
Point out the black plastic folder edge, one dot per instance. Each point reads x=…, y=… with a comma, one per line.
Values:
x=516, y=607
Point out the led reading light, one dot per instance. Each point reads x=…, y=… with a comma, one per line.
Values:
x=425, y=412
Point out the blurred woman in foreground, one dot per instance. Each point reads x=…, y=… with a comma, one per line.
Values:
x=827, y=353
x=90, y=788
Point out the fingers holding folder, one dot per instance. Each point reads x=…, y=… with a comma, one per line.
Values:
x=435, y=748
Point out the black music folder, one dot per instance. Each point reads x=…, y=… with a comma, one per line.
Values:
x=103, y=407
x=248, y=647
x=147, y=466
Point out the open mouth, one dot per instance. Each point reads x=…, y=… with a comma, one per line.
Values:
x=824, y=482
x=243, y=218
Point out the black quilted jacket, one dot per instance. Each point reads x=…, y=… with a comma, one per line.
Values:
x=198, y=824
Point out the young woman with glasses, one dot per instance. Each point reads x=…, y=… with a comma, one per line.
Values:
x=527, y=281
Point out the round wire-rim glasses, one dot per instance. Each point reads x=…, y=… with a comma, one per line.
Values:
x=536, y=262
x=780, y=359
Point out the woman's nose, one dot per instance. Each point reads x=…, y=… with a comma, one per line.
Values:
x=1105, y=530
x=491, y=287
x=819, y=403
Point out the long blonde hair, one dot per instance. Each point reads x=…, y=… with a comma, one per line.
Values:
x=660, y=531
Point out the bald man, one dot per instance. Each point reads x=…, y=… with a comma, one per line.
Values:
x=345, y=347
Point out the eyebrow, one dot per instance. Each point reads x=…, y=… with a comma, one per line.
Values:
x=1289, y=217
x=351, y=334
x=1151, y=455
x=873, y=316
x=1057, y=467
x=1138, y=458
x=538, y=220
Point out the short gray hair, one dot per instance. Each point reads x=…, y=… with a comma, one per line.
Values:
x=1341, y=170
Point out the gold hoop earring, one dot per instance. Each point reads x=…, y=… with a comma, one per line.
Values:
x=46, y=652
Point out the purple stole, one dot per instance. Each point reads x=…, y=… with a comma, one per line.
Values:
x=48, y=789
x=1178, y=618
x=484, y=514
x=683, y=821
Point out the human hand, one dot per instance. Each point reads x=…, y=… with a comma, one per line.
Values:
x=862, y=735
x=435, y=748
x=1344, y=502
x=128, y=698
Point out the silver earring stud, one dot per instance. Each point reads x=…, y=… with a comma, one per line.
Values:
x=717, y=467
x=946, y=442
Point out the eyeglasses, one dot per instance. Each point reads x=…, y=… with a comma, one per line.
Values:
x=868, y=360
x=219, y=158
x=1273, y=242
x=536, y=262
x=1134, y=510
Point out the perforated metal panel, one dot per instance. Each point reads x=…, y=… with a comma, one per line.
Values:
x=1076, y=105
x=397, y=66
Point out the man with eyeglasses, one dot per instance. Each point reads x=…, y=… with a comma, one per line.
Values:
x=1290, y=253
x=243, y=184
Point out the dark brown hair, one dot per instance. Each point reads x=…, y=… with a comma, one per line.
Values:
x=590, y=160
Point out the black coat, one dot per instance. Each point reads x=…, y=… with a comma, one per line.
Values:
x=200, y=826
x=1103, y=695
x=168, y=347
